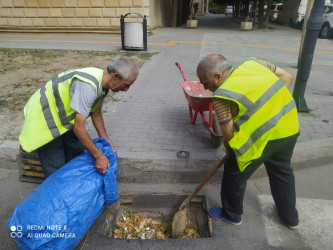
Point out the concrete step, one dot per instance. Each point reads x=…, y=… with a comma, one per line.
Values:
x=125, y=189
x=306, y=155
x=165, y=171
x=193, y=170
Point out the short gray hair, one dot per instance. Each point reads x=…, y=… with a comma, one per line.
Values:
x=214, y=63
x=122, y=65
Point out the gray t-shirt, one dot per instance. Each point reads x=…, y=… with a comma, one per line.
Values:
x=83, y=97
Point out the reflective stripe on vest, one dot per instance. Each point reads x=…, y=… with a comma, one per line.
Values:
x=65, y=120
x=257, y=122
x=250, y=106
x=263, y=129
x=48, y=113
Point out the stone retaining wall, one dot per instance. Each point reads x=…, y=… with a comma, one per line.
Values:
x=68, y=15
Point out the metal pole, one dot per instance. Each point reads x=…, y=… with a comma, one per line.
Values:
x=305, y=21
x=122, y=26
x=144, y=26
x=313, y=27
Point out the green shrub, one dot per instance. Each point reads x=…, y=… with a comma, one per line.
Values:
x=217, y=9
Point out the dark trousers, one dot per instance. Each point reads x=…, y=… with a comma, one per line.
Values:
x=276, y=158
x=58, y=152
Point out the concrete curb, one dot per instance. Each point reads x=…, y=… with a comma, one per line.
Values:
x=313, y=153
x=172, y=170
x=9, y=149
x=306, y=155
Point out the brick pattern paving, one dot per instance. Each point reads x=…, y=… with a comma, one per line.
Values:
x=153, y=116
x=152, y=120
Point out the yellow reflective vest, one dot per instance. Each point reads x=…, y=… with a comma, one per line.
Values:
x=267, y=110
x=48, y=113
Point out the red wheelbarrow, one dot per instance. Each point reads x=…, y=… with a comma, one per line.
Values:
x=199, y=100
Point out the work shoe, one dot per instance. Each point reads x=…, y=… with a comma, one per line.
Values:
x=216, y=213
x=293, y=227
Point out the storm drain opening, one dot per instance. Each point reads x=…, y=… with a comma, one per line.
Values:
x=150, y=217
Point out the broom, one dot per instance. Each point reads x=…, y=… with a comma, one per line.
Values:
x=179, y=219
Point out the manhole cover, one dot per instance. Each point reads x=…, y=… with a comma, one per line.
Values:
x=150, y=217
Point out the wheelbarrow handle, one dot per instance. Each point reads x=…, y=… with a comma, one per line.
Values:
x=181, y=71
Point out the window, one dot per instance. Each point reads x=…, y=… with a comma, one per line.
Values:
x=328, y=9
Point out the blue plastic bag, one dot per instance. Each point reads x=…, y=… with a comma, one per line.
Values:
x=58, y=214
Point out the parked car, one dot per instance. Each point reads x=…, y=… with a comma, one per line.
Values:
x=326, y=30
x=274, y=11
x=292, y=12
x=228, y=10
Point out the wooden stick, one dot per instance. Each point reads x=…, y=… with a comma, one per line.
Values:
x=202, y=183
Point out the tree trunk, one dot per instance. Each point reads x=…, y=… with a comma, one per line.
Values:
x=261, y=24
x=253, y=12
x=236, y=10
x=246, y=10
x=268, y=13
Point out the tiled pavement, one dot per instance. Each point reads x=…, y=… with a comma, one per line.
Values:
x=152, y=120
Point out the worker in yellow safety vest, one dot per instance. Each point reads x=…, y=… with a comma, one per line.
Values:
x=55, y=115
x=258, y=119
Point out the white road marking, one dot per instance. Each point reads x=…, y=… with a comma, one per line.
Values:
x=315, y=226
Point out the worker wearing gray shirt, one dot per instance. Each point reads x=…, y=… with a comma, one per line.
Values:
x=55, y=120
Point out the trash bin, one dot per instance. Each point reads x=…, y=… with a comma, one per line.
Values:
x=133, y=34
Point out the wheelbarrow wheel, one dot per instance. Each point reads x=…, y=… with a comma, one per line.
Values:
x=216, y=140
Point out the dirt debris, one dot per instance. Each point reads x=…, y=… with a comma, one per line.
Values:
x=138, y=226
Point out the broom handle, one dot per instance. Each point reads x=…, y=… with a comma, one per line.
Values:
x=203, y=182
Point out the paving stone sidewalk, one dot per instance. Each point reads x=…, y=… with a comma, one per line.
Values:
x=152, y=120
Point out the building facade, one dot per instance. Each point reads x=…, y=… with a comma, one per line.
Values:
x=89, y=16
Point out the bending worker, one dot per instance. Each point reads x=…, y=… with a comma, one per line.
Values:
x=55, y=115
x=259, y=123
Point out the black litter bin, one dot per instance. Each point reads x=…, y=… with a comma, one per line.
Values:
x=133, y=34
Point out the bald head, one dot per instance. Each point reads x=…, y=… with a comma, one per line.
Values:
x=213, y=63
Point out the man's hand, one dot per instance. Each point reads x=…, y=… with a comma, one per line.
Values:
x=108, y=139
x=101, y=164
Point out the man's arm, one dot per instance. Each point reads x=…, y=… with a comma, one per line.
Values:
x=284, y=76
x=102, y=162
x=97, y=119
x=224, y=111
x=228, y=134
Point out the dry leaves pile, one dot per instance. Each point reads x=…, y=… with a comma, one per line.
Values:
x=137, y=226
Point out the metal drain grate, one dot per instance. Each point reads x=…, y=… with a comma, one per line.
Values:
x=183, y=155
